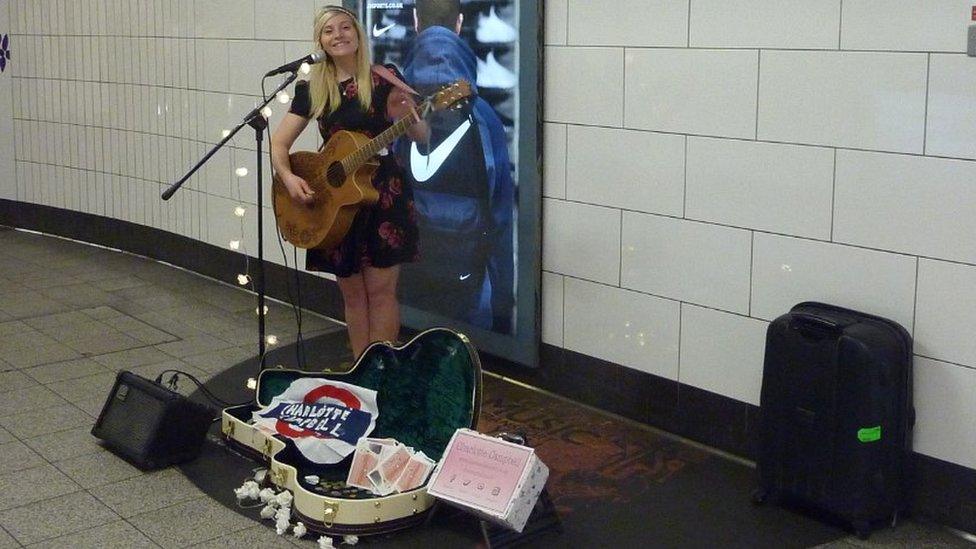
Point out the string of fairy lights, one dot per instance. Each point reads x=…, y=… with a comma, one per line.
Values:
x=240, y=211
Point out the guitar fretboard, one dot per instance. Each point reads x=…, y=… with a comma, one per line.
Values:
x=353, y=162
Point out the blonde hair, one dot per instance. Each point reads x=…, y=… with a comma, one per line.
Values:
x=323, y=85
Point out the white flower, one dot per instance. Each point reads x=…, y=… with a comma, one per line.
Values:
x=299, y=530
x=266, y=495
x=283, y=514
x=284, y=499
x=312, y=479
x=350, y=539
x=281, y=523
x=249, y=490
x=325, y=542
x=268, y=511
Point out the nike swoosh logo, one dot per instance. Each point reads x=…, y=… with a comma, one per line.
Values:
x=424, y=167
x=464, y=276
x=377, y=32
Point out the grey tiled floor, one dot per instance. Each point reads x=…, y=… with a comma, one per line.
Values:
x=71, y=316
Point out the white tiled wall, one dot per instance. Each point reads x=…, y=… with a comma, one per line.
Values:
x=626, y=169
x=552, y=308
x=646, y=23
x=905, y=25
x=112, y=100
x=628, y=328
x=763, y=24
x=584, y=85
x=722, y=352
x=691, y=91
x=910, y=204
x=785, y=189
x=554, y=175
x=8, y=170
x=556, y=22
x=945, y=400
x=581, y=240
x=946, y=311
x=787, y=270
x=710, y=163
x=951, y=112
x=686, y=260
x=846, y=99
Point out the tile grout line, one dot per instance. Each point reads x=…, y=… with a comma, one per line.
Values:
x=11, y=536
x=918, y=266
x=833, y=198
x=248, y=527
x=768, y=232
x=758, y=87
x=928, y=87
x=840, y=25
x=752, y=271
x=684, y=190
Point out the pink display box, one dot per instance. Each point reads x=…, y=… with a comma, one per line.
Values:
x=497, y=480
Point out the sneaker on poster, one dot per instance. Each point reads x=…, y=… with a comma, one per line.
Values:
x=491, y=74
x=493, y=29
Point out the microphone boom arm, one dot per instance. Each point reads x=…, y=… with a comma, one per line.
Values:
x=251, y=119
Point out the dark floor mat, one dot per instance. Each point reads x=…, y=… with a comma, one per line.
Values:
x=613, y=483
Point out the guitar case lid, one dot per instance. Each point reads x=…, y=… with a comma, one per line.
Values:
x=426, y=390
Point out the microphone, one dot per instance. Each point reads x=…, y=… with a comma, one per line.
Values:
x=311, y=59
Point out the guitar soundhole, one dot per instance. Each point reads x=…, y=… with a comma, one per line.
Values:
x=336, y=174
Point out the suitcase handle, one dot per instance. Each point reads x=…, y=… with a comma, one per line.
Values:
x=815, y=327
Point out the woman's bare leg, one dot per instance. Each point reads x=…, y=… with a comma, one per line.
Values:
x=356, y=305
x=384, y=309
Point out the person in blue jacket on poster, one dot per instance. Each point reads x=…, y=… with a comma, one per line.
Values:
x=463, y=187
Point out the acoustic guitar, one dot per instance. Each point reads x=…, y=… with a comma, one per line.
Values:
x=341, y=176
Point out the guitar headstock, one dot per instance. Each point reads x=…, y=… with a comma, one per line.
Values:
x=450, y=95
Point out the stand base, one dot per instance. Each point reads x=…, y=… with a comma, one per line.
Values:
x=544, y=519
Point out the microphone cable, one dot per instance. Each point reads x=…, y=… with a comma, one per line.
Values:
x=172, y=383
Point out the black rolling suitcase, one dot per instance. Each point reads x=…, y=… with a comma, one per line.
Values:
x=836, y=415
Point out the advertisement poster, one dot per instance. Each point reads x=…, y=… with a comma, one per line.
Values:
x=478, y=265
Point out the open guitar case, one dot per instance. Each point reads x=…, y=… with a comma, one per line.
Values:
x=426, y=390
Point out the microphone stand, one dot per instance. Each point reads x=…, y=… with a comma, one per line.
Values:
x=257, y=121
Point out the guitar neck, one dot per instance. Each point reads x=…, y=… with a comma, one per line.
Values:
x=352, y=162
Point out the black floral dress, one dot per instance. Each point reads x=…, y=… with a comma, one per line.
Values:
x=382, y=235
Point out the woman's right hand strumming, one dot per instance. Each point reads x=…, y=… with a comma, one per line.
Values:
x=298, y=188
x=281, y=142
